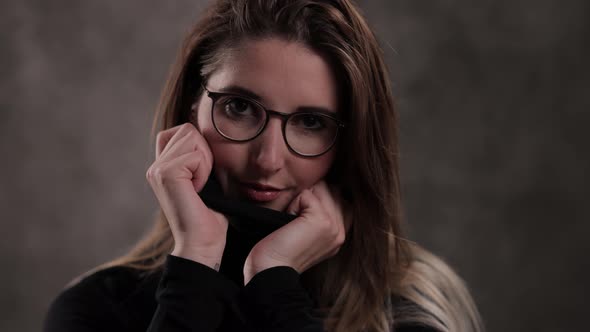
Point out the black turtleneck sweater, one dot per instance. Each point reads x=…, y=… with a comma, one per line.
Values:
x=187, y=296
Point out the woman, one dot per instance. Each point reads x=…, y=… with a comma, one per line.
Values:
x=285, y=105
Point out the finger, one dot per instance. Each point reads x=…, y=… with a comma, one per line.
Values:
x=334, y=252
x=185, y=144
x=184, y=195
x=189, y=166
x=163, y=138
x=194, y=166
x=192, y=141
x=329, y=199
x=170, y=189
x=306, y=202
x=293, y=207
x=168, y=137
x=321, y=191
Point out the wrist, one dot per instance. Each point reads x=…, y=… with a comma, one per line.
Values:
x=210, y=258
x=252, y=268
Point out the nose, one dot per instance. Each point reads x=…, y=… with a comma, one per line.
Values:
x=268, y=150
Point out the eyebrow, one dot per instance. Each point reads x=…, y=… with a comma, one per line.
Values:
x=239, y=90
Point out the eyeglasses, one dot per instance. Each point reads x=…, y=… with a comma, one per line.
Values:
x=239, y=118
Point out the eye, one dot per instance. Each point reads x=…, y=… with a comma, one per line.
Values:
x=237, y=106
x=310, y=121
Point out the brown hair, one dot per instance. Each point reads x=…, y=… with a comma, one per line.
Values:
x=375, y=264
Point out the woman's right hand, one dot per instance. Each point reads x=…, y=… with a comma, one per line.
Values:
x=181, y=169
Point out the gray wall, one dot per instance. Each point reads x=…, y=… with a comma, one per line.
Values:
x=494, y=116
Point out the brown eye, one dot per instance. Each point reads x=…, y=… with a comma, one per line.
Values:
x=237, y=107
x=309, y=121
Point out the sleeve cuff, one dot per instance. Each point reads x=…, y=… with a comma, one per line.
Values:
x=275, y=279
x=196, y=277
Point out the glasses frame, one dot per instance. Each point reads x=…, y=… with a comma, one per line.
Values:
x=285, y=117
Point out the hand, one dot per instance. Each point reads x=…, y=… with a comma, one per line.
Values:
x=181, y=169
x=315, y=235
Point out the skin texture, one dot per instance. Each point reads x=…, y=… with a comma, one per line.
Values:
x=286, y=76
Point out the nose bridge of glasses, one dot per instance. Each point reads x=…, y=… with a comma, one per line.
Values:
x=274, y=126
x=283, y=116
x=279, y=117
x=270, y=143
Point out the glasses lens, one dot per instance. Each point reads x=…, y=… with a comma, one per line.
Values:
x=238, y=118
x=311, y=134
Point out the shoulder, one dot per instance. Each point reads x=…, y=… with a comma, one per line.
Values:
x=112, y=284
x=101, y=296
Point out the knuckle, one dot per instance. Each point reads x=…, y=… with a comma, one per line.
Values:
x=333, y=252
x=335, y=232
x=327, y=228
x=160, y=136
x=194, y=134
x=187, y=126
x=340, y=238
x=336, y=250
x=156, y=174
x=198, y=155
x=307, y=194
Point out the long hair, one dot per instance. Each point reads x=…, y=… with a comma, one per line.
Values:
x=378, y=279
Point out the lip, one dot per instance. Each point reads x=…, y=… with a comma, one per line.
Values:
x=259, y=192
x=259, y=186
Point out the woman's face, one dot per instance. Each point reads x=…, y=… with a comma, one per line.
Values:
x=287, y=77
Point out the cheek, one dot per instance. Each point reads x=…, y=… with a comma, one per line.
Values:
x=308, y=172
x=228, y=156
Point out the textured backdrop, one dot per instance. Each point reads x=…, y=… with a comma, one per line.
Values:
x=494, y=105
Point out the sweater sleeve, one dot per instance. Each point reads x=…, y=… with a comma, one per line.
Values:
x=94, y=303
x=275, y=300
x=72, y=311
x=191, y=297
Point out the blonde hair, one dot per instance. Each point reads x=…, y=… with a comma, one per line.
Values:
x=378, y=279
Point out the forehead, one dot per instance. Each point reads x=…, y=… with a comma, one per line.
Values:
x=284, y=74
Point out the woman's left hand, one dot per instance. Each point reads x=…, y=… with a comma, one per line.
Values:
x=315, y=235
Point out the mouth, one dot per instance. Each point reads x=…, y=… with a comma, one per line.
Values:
x=259, y=192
